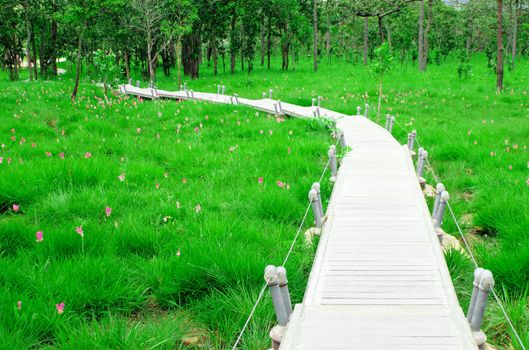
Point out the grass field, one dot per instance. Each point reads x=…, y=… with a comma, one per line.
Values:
x=196, y=192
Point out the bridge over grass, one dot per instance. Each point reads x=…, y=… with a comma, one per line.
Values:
x=379, y=279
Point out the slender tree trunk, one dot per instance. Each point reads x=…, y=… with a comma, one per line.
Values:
x=315, y=30
x=215, y=56
x=379, y=99
x=150, y=60
x=425, y=37
x=34, y=49
x=28, y=30
x=53, y=56
x=78, y=68
x=515, y=33
x=499, y=65
x=381, y=28
x=366, y=38
x=420, y=55
x=179, y=60
x=268, y=42
x=127, y=63
x=263, y=44
x=233, y=38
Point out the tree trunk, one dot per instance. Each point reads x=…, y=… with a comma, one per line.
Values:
x=78, y=68
x=179, y=60
x=379, y=99
x=28, y=30
x=215, y=56
x=268, y=42
x=315, y=30
x=53, y=56
x=127, y=64
x=263, y=44
x=426, y=43
x=420, y=55
x=191, y=54
x=366, y=38
x=150, y=60
x=514, y=33
x=34, y=49
x=499, y=65
x=233, y=45
x=381, y=29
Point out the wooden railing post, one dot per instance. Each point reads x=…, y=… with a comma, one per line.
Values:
x=485, y=286
x=283, y=286
x=438, y=220
x=333, y=164
x=313, y=197
x=366, y=111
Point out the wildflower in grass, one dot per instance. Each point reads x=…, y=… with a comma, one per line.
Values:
x=19, y=305
x=16, y=208
x=40, y=236
x=79, y=231
x=60, y=308
x=197, y=129
x=121, y=177
x=198, y=208
x=507, y=149
x=61, y=155
x=290, y=132
x=206, y=117
x=270, y=132
x=48, y=154
x=184, y=180
x=178, y=205
x=88, y=155
x=261, y=132
x=157, y=186
x=1, y=160
x=475, y=142
x=260, y=180
x=232, y=149
x=289, y=150
x=280, y=184
x=138, y=130
x=510, y=167
x=527, y=182
x=108, y=211
x=492, y=154
x=178, y=252
x=469, y=132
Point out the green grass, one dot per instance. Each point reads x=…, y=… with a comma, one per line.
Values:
x=190, y=231
x=130, y=290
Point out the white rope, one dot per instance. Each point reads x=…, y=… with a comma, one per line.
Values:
x=263, y=289
x=471, y=254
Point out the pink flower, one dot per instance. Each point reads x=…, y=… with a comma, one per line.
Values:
x=178, y=252
x=197, y=129
x=260, y=180
x=157, y=186
x=138, y=130
x=16, y=208
x=280, y=184
x=60, y=308
x=48, y=154
x=19, y=304
x=108, y=211
x=1, y=160
x=527, y=182
x=39, y=235
x=80, y=231
x=61, y=155
x=121, y=177
x=289, y=150
x=88, y=155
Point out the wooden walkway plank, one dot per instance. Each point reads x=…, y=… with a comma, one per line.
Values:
x=379, y=278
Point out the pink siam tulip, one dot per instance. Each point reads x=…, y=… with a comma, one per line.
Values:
x=40, y=236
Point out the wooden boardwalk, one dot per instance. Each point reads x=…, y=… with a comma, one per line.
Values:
x=379, y=279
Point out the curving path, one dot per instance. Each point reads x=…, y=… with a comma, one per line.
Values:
x=379, y=280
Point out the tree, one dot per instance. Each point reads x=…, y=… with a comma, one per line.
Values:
x=315, y=30
x=499, y=64
x=380, y=65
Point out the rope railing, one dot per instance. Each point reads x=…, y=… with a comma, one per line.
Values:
x=287, y=256
x=469, y=250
